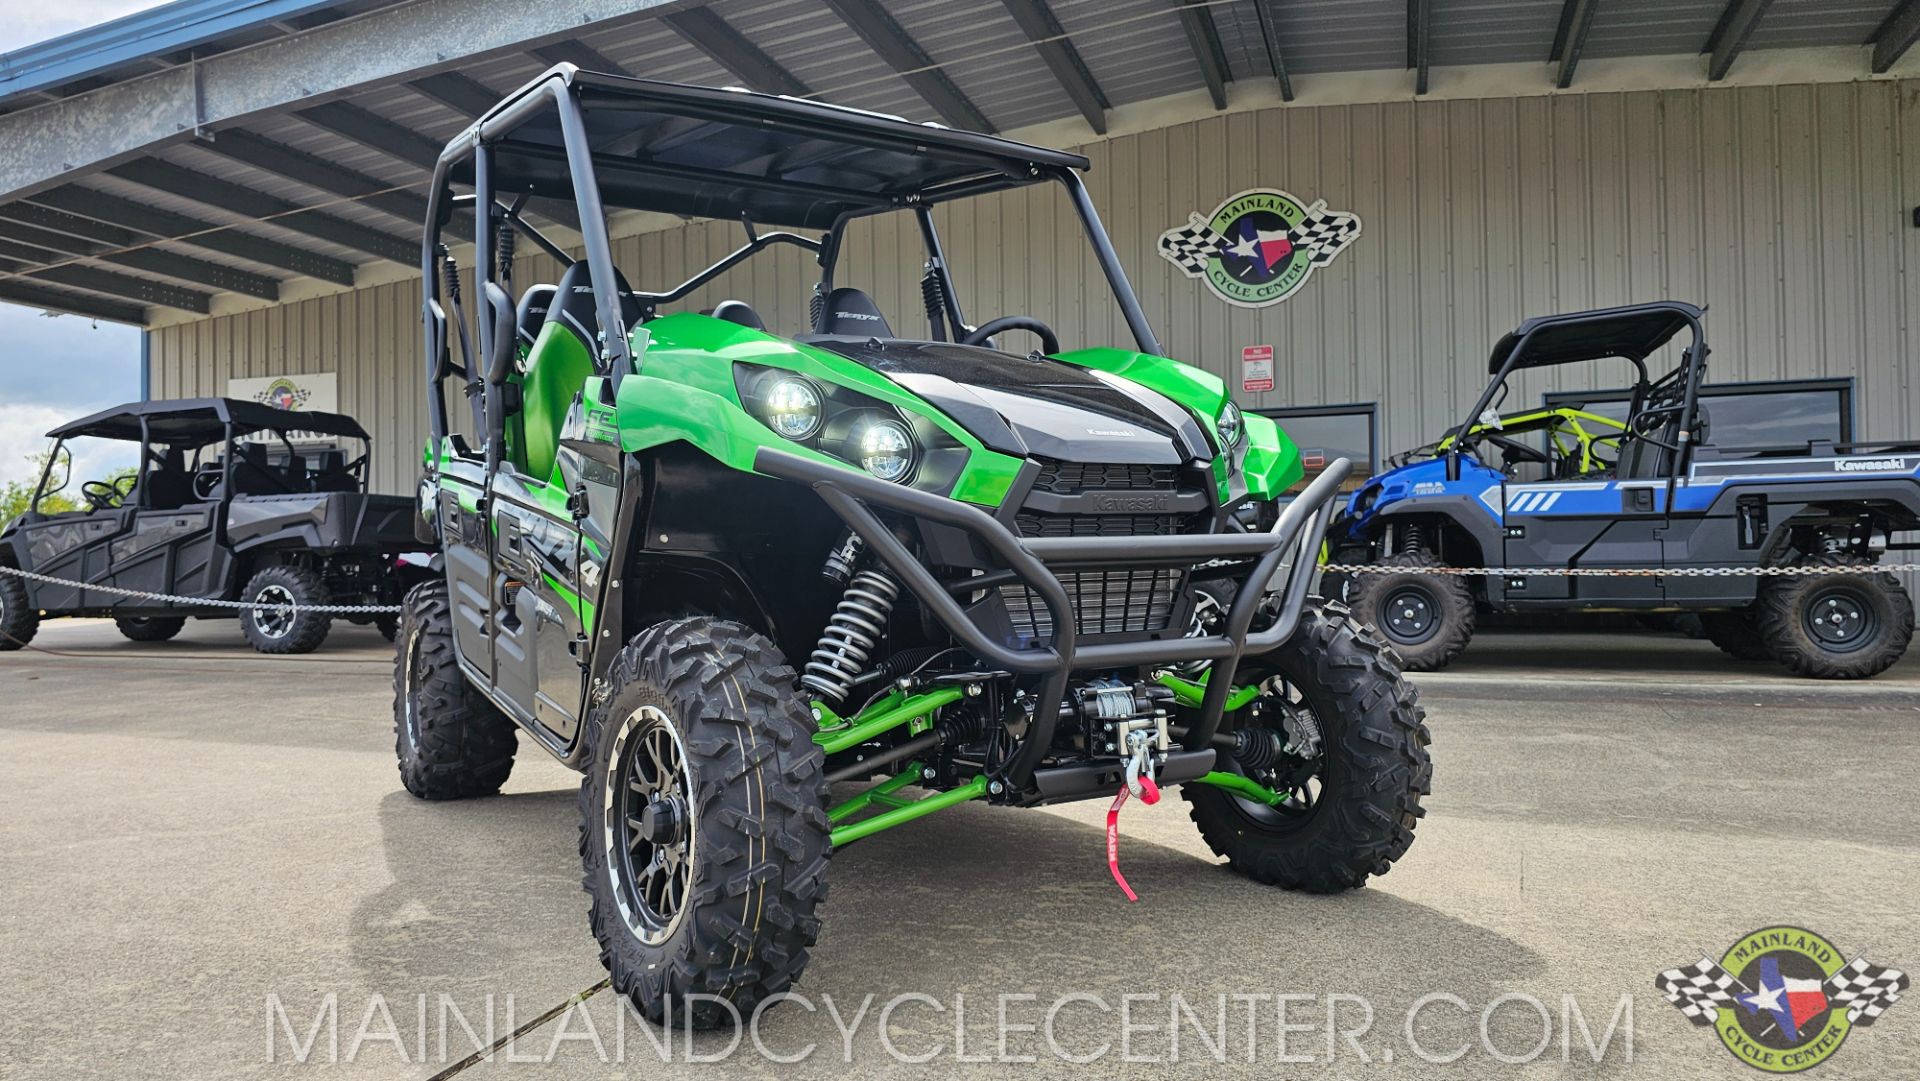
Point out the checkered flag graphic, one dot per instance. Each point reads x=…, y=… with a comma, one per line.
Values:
x=1190, y=246
x=1324, y=233
x=1865, y=990
x=1699, y=989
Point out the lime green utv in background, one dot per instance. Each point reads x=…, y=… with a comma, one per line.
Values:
x=776, y=589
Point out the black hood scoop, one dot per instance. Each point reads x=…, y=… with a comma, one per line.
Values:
x=1029, y=405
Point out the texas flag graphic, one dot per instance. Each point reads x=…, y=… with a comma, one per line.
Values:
x=1792, y=1002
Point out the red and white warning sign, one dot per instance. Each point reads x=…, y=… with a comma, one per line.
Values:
x=1256, y=368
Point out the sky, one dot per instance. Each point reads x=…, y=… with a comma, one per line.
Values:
x=56, y=369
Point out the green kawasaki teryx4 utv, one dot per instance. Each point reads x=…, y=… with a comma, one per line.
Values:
x=719, y=569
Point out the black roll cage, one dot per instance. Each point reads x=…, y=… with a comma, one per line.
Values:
x=484, y=368
x=232, y=430
x=1691, y=369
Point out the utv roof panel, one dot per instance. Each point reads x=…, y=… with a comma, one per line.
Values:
x=1634, y=332
x=728, y=153
x=197, y=421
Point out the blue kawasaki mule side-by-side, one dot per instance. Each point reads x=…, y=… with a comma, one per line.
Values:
x=1745, y=536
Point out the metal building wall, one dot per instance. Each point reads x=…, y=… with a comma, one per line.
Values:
x=1787, y=210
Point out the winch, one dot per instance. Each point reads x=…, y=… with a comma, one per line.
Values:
x=1128, y=720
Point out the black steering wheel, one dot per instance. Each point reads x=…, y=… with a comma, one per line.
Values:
x=1517, y=451
x=106, y=495
x=1049, y=342
x=205, y=483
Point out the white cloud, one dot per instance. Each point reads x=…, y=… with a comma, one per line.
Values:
x=23, y=431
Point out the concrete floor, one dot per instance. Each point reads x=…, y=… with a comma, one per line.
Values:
x=187, y=829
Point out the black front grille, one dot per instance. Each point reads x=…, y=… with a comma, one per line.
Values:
x=1103, y=602
x=1073, y=478
x=1038, y=524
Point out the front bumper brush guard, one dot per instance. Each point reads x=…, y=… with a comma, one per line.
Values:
x=853, y=495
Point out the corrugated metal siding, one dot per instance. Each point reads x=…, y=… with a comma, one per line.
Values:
x=1785, y=209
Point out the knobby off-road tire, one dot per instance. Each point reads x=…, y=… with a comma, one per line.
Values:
x=1426, y=618
x=1338, y=585
x=151, y=628
x=1375, y=769
x=1835, y=626
x=272, y=630
x=451, y=741
x=703, y=826
x=19, y=620
x=1737, y=634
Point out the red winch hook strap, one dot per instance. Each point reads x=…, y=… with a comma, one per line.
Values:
x=1149, y=795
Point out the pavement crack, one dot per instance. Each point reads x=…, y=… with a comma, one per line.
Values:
x=487, y=1052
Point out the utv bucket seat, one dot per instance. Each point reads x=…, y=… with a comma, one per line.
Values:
x=558, y=367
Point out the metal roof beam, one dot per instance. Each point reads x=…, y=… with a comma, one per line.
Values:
x=20, y=260
x=580, y=55
x=1049, y=39
x=318, y=173
x=1204, y=39
x=1576, y=18
x=1895, y=35
x=903, y=54
x=20, y=291
x=246, y=202
x=1270, y=39
x=376, y=132
x=463, y=94
x=48, y=145
x=99, y=49
x=1730, y=36
x=113, y=210
x=1419, y=41
x=70, y=235
x=729, y=48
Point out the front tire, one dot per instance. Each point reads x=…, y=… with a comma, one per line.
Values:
x=452, y=743
x=1427, y=618
x=1836, y=626
x=149, y=629
x=1349, y=746
x=19, y=620
x=289, y=625
x=703, y=826
x=1737, y=634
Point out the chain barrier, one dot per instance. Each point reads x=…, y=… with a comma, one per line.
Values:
x=208, y=602
x=1792, y=570
x=1788, y=571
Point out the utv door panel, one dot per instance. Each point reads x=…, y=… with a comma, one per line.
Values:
x=1582, y=524
x=74, y=546
x=170, y=551
x=536, y=650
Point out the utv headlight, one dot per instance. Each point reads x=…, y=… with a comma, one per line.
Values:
x=886, y=450
x=791, y=408
x=1231, y=426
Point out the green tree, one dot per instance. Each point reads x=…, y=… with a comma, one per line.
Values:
x=17, y=495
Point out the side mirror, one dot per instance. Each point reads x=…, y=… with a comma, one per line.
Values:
x=500, y=310
x=60, y=469
x=441, y=365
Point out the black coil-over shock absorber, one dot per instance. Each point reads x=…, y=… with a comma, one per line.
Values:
x=857, y=625
x=1413, y=539
x=933, y=294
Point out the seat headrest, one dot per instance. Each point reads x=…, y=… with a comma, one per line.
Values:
x=573, y=304
x=741, y=312
x=533, y=312
x=851, y=313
